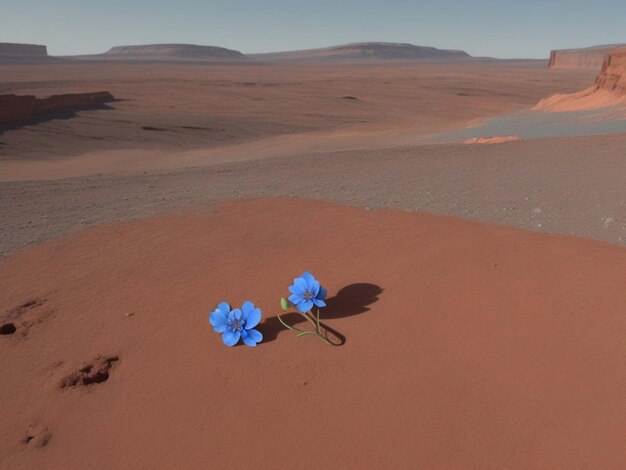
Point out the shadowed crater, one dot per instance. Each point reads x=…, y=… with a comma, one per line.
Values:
x=37, y=436
x=94, y=372
x=7, y=329
x=22, y=318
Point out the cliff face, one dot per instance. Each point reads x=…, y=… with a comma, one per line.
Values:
x=609, y=88
x=368, y=50
x=8, y=49
x=587, y=58
x=612, y=77
x=172, y=51
x=14, y=108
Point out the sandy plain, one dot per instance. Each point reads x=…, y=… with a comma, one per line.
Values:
x=466, y=344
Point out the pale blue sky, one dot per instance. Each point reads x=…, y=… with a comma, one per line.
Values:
x=523, y=28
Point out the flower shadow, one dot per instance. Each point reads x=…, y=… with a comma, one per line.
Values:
x=350, y=300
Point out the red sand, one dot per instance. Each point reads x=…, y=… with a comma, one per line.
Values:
x=467, y=345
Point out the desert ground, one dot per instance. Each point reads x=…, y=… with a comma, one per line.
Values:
x=475, y=290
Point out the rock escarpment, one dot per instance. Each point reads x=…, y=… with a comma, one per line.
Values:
x=171, y=52
x=613, y=74
x=585, y=58
x=13, y=50
x=13, y=53
x=369, y=50
x=15, y=108
x=609, y=88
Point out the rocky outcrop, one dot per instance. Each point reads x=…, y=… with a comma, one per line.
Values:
x=13, y=50
x=171, y=52
x=492, y=140
x=585, y=58
x=612, y=77
x=609, y=88
x=15, y=108
x=368, y=50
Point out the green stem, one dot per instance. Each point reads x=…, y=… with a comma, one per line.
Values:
x=287, y=326
x=315, y=322
x=302, y=333
x=319, y=335
x=311, y=321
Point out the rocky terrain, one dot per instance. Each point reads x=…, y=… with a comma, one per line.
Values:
x=15, y=108
x=368, y=50
x=492, y=140
x=15, y=53
x=588, y=57
x=613, y=75
x=9, y=49
x=609, y=88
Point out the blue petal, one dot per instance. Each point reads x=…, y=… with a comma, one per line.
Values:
x=247, y=339
x=254, y=318
x=321, y=294
x=296, y=290
x=231, y=337
x=300, y=283
x=218, y=321
x=320, y=303
x=235, y=314
x=255, y=336
x=315, y=288
x=308, y=277
x=247, y=308
x=224, y=307
x=305, y=305
x=295, y=299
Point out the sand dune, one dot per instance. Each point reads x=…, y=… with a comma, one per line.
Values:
x=608, y=90
x=466, y=345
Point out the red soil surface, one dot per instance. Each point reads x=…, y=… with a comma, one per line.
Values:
x=165, y=109
x=468, y=345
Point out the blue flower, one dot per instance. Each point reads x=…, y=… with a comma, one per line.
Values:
x=237, y=324
x=306, y=292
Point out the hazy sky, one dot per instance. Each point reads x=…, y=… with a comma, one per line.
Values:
x=520, y=28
